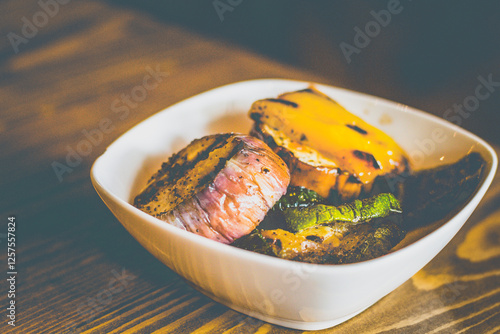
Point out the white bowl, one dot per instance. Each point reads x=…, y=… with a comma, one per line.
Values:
x=296, y=295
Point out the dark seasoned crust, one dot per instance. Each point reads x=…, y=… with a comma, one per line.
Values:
x=188, y=172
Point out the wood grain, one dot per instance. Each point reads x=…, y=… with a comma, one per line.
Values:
x=64, y=82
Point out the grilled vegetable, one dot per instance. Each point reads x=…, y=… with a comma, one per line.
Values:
x=298, y=197
x=219, y=186
x=326, y=234
x=356, y=212
x=429, y=195
x=327, y=244
x=327, y=149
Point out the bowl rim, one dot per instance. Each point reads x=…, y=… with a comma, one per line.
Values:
x=278, y=262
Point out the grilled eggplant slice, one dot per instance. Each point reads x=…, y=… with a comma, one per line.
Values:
x=431, y=194
x=327, y=149
x=219, y=186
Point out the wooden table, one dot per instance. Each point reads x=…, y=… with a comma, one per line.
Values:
x=78, y=270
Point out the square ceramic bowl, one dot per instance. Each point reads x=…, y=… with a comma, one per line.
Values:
x=296, y=295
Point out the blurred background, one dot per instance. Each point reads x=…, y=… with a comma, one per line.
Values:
x=428, y=55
